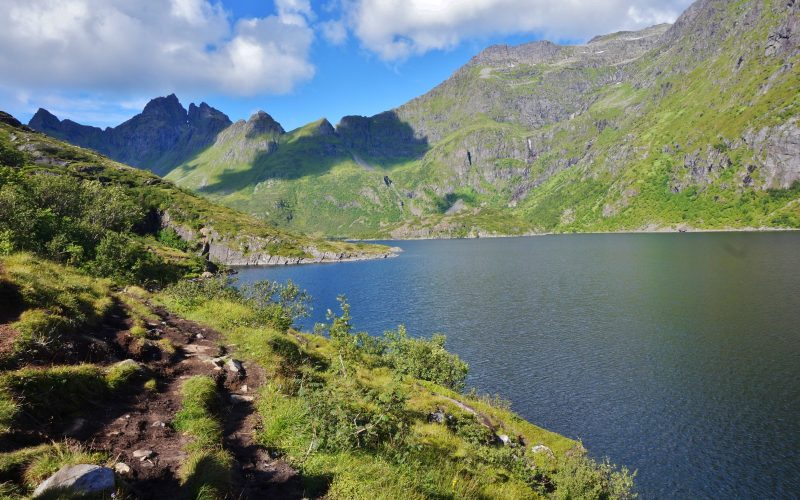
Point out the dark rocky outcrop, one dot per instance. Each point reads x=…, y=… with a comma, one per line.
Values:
x=162, y=136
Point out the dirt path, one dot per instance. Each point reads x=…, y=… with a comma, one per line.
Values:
x=142, y=425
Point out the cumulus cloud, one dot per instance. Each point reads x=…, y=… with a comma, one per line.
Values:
x=397, y=29
x=187, y=45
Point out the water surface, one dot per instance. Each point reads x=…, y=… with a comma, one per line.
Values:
x=675, y=354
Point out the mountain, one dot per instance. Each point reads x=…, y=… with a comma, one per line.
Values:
x=163, y=135
x=691, y=125
x=55, y=199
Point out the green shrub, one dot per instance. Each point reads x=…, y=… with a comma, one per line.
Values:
x=346, y=417
x=579, y=476
x=426, y=359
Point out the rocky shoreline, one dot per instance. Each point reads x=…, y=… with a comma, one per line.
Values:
x=254, y=250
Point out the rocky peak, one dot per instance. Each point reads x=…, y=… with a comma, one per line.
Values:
x=44, y=120
x=206, y=117
x=324, y=128
x=167, y=108
x=263, y=123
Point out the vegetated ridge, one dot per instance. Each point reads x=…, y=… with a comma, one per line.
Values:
x=691, y=125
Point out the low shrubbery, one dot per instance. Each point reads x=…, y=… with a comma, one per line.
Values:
x=84, y=223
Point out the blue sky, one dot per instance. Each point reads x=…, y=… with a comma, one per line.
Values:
x=99, y=61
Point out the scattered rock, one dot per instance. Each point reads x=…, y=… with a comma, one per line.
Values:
x=199, y=336
x=437, y=417
x=235, y=366
x=123, y=469
x=207, y=275
x=143, y=455
x=82, y=478
x=158, y=423
x=238, y=398
x=540, y=448
x=243, y=388
x=218, y=362
x=503, y=438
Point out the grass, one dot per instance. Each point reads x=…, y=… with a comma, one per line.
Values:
x=206, y=472
x=309, y=404
x=59, y=392
x=24, y=469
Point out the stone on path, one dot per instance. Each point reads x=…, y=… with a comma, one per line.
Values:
x=82, y=478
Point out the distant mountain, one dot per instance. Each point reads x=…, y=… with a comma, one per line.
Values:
x=691, y=125
x=160, y=137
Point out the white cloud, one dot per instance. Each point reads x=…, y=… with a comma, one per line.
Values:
x=335, y=32
x=397, y=29
x=153, y=45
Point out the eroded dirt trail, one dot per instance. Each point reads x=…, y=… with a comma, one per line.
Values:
x=138, y=432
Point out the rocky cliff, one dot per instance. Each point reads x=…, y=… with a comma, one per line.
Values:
x=162, y=136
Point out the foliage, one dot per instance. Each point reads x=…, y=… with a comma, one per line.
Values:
x=266, y=302
x=345, y=416
x=425, y=359
x=579, y=476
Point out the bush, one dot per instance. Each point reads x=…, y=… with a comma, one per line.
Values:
x=343, y=421
x=579, y=476
x=425, y=359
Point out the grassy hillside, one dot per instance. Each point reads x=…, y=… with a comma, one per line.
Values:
x=687, y=126
x=75, y=206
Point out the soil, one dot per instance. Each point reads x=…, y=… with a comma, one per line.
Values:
x=142, y=421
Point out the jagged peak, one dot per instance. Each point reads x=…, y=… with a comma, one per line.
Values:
x=261, y=122
x=324, y=127
x=168, y=106
x=43, y=119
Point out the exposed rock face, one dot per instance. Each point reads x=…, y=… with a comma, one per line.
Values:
x=254, y=251
x=79, y=479
x=382, y=136
x=777, y=153
x=163, y=135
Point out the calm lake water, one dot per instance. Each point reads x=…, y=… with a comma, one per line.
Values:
x=675, y=354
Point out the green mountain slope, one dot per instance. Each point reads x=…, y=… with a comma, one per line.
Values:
x=72, y=205
x=692, y=125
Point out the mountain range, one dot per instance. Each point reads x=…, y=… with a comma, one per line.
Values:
x=682, y=126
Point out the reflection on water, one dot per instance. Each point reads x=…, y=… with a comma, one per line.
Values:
x=674, y=354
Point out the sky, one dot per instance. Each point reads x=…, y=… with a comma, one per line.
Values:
x=98, y=62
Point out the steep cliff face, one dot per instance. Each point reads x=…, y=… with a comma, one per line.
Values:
x=162, y=136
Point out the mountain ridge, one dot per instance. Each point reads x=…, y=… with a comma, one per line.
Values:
x=692, y=124
x=162, y=135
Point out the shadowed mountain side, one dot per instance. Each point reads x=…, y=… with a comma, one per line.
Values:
x=162, y=136
x=248, y=153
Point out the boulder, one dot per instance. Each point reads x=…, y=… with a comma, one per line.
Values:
x=504, y=439
x=82, y=478
x=235, y=366
x=207, y=275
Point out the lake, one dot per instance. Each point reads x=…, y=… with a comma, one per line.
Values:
x=677, y=355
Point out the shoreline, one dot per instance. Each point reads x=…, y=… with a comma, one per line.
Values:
x=642, y=231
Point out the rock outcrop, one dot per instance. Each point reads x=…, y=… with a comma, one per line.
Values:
x=162, y=136
x=83, y=479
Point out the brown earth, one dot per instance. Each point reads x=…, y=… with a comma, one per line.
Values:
x=142, y=421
